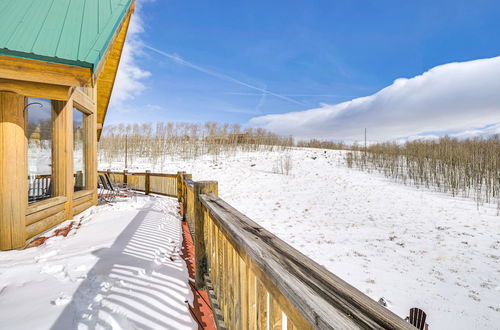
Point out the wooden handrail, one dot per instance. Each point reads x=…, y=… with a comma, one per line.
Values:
x=165, y=175
x=156, y=183
x=323, y=299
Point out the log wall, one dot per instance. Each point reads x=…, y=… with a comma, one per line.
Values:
x=20, y=221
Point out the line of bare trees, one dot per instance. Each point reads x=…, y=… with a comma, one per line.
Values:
x=462, y=167
x=184, y=141
x=319, y=144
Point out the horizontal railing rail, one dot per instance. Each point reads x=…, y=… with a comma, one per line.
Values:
x=156, y=183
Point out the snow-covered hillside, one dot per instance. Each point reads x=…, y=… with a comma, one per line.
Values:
x=411, y=247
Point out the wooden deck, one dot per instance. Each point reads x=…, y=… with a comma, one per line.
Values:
x=257, y=280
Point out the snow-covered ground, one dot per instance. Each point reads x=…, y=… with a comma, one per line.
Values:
x=122, y=269
x=413, y=247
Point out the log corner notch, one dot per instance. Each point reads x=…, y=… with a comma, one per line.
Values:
x=201, y=188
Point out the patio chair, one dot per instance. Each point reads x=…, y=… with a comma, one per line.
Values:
x=417, y=319
x=118, y=188
x=106, y=193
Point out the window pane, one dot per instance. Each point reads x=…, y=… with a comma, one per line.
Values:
x=79, y=143
x=39, y=133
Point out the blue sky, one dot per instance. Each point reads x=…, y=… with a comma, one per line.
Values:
x=309, y=52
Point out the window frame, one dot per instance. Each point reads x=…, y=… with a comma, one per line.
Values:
x=62, y=146
x=82, y=103
x=53, y=174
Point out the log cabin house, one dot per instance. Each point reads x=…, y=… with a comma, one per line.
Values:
x=58, y=63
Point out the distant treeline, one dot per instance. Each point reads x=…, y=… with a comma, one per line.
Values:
x=464, y=167
x=184, y=140
x=314, y=143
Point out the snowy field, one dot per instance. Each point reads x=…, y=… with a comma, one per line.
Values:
x=411, y=247
x=121, y=269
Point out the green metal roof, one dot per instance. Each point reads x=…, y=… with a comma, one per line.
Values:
x=74, y=32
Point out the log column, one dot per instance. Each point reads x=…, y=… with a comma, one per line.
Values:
x=13, y=171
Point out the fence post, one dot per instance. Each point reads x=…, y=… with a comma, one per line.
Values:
x=184, y=194
x=180, y=183
x=147, y=186
x=201, y=187
x=125, y=183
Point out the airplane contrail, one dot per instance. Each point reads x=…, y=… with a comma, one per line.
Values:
x=182, y=61
x=261, y=100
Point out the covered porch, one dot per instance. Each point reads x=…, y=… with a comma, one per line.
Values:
x=58, y=64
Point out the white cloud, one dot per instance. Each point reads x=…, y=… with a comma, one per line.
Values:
x=483, y=131
x=452, y=97
x=130, y=77
x=154, y=107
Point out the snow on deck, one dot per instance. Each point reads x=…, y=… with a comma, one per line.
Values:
x=413, y=247
x=122, y=269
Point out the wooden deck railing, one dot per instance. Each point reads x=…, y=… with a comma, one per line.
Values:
x=258, y=281
x=155, y=183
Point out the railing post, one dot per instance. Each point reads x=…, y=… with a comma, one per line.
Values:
x=180, y=184
x=184, y=194
x=125, y=183
x=147, y=183
x=201, y=187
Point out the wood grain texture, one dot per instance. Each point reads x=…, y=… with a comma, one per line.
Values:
x=43, y=72
x=35, y=89
x=190, y=206
x=46, y=212
x=82, y=193
x=164, y=185
x=81, y=200
x=82, y=207
x=201, y=187
x=59, y=148
x=180, y=179
x=45, y=204
x=68, y=158
x=83, y=101
x=323, y=299
x=91, y=150
x=225, y=262
x=147, y=183
x=186, y=178
x=13, y=169
x=32, y=218
x=45, y=224
x=106, y=76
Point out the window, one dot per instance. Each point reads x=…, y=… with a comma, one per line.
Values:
x=79, y=150
x=39, y=134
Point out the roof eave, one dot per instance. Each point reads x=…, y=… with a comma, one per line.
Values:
x=42, y=71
